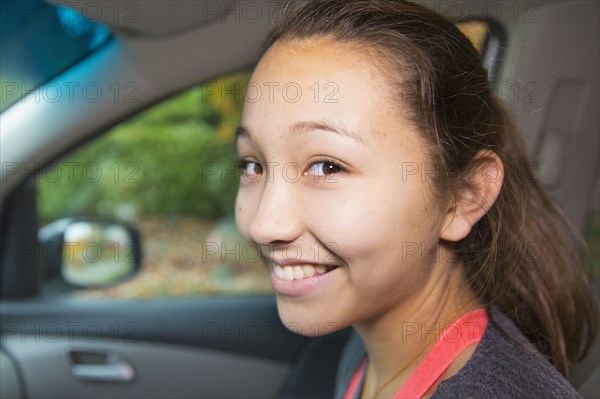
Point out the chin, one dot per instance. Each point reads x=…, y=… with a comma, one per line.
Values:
x=305, y=321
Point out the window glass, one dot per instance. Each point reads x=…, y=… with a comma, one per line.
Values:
x=487, y=37
x=476, y=31
x=171, y=172
x=38, y=40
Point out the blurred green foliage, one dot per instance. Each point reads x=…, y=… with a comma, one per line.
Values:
x=176, y=158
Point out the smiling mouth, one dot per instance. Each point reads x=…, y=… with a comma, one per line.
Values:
x=300, y=272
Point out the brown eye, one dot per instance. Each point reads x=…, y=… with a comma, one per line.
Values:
x=255, y=169
x=325, y=168
x=250, y=168
x=329, y=168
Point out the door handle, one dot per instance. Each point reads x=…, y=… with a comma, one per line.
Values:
x=100, y=367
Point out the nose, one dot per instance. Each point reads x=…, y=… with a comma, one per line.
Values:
x=277, y=219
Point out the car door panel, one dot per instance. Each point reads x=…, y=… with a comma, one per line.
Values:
x=10, y=379
x=208, y=347
x=191, y=347
x=140, y=370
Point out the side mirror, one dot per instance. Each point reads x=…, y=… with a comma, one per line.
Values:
x=88, y=253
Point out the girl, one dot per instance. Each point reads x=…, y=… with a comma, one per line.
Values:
x=389, y=191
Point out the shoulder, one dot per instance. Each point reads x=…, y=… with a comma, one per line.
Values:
x=503, y=367
x=500, y=367
x=354, y=351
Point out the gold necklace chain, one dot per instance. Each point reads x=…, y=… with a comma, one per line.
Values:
x=448, y=320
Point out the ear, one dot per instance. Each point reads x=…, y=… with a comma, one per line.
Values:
x=474, y=197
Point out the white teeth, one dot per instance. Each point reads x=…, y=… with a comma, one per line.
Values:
x=278, y=271
x=288, y=273
x=309, y=271
x=297, y=272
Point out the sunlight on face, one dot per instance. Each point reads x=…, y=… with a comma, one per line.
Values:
x=326, y=190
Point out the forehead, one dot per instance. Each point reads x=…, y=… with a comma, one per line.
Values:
x=358, y=102
x=291, y=56
x=318, y=79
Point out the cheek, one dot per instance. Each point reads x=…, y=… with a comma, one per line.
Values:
x=380, y=232
x=244, y=213
x=367, y=218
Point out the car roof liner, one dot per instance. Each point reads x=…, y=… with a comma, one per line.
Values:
x=154, y=18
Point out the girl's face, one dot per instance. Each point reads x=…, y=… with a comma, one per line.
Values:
x=335, y=188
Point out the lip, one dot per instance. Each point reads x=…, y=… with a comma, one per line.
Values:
x=298, y=288
x=294, y=262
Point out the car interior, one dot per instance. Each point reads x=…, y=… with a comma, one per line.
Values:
x=77, y=341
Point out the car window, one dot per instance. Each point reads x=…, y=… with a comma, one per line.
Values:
x=488, y=38
x=170, y=171
x=476, y=31
x=26, y=62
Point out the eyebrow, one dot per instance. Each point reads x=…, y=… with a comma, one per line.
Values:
x=305, y=127
x=241, y=131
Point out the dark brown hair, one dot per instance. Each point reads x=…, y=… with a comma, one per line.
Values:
x=518, y=256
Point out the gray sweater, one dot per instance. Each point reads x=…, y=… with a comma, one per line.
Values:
x=499, y=368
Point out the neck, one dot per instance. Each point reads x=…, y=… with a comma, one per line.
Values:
x=399, y=339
